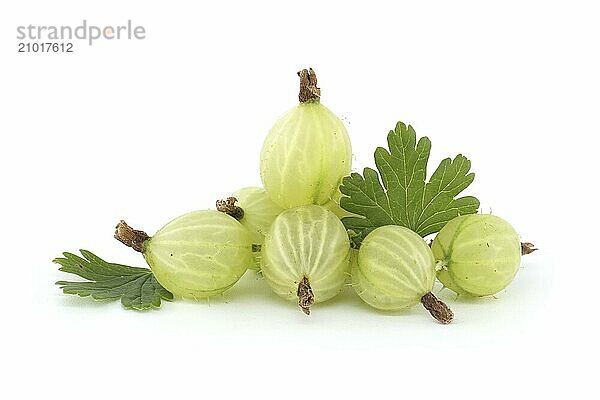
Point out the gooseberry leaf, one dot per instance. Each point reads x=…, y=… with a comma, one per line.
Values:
x=402, y=196
x=137, y=288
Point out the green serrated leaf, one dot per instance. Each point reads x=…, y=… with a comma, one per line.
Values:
x=402, y=196
x=136, y=287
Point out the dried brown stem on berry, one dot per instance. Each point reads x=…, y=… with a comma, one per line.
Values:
x=527, y=248
x=228, y=207
x=308, y=86
x=437, y=308
x=306, y=298
x=130, y=237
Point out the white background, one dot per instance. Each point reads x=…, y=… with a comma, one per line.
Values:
x=148, y=130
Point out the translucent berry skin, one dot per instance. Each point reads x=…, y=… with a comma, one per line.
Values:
x=199, y=254
x=259, y=211
x=305, y=156
x=481, y=254
x=307, y=241
x=395, y=268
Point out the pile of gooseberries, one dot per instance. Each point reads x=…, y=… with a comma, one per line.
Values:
x=291, y=233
